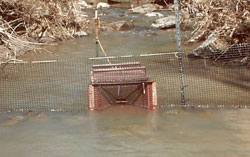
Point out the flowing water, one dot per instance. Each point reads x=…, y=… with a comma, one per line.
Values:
x=128, y=130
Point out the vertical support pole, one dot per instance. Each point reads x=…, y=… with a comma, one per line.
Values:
x=97, y=33
x=151, y=96
x=91, y=96
x=96, y=51
x=154, y=95
x=178, y=39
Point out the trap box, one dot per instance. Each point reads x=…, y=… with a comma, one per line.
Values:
x=123, y=83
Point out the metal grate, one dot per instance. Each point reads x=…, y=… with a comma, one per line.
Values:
x=118, y=73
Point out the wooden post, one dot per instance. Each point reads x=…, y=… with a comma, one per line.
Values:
x=97, y=40
x=97, y=32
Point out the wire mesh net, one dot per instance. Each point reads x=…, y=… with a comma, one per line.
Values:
x=62, y=85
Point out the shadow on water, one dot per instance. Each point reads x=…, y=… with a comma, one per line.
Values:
x=238, y=76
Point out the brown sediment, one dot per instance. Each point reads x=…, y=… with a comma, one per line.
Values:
x=13, y=120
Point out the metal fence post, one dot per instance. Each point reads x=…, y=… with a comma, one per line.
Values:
x=178, y=40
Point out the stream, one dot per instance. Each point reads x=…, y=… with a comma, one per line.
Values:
x=126, y=130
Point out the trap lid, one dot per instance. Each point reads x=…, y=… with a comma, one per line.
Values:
x=121, y=73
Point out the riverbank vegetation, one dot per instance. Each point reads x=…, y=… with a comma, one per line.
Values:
x=222, y=26
x=228, y=20
x=25, y=24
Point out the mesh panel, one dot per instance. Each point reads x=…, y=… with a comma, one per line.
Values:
x=214, y=85
x=59, y=86
x=63, y=85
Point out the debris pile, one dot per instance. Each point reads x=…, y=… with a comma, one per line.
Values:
x=227, y=19
x=218, y=24
x=28, y=23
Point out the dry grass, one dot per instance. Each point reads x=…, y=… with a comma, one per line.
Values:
x=24, y=24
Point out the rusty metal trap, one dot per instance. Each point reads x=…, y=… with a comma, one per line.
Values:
x=124, y=83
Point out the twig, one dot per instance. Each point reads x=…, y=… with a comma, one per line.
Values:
x=231, y=34
x=105, y=54
x=13, y=31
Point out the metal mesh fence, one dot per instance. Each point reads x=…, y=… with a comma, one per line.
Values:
x=55, y=86
x=62, y=85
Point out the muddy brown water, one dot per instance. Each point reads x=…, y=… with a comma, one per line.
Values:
x=129, y=130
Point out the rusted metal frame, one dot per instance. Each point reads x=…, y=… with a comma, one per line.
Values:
x=134, y=91
x=119, y=81
x=91, y=97
x=136, y=97
x=149, y=96
x=154, y=96
x=115, y=96
x=106, y=96
x=120, y=65
x=97, y=101
x=121, y=69
x=110, y=94
x=123, y=83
